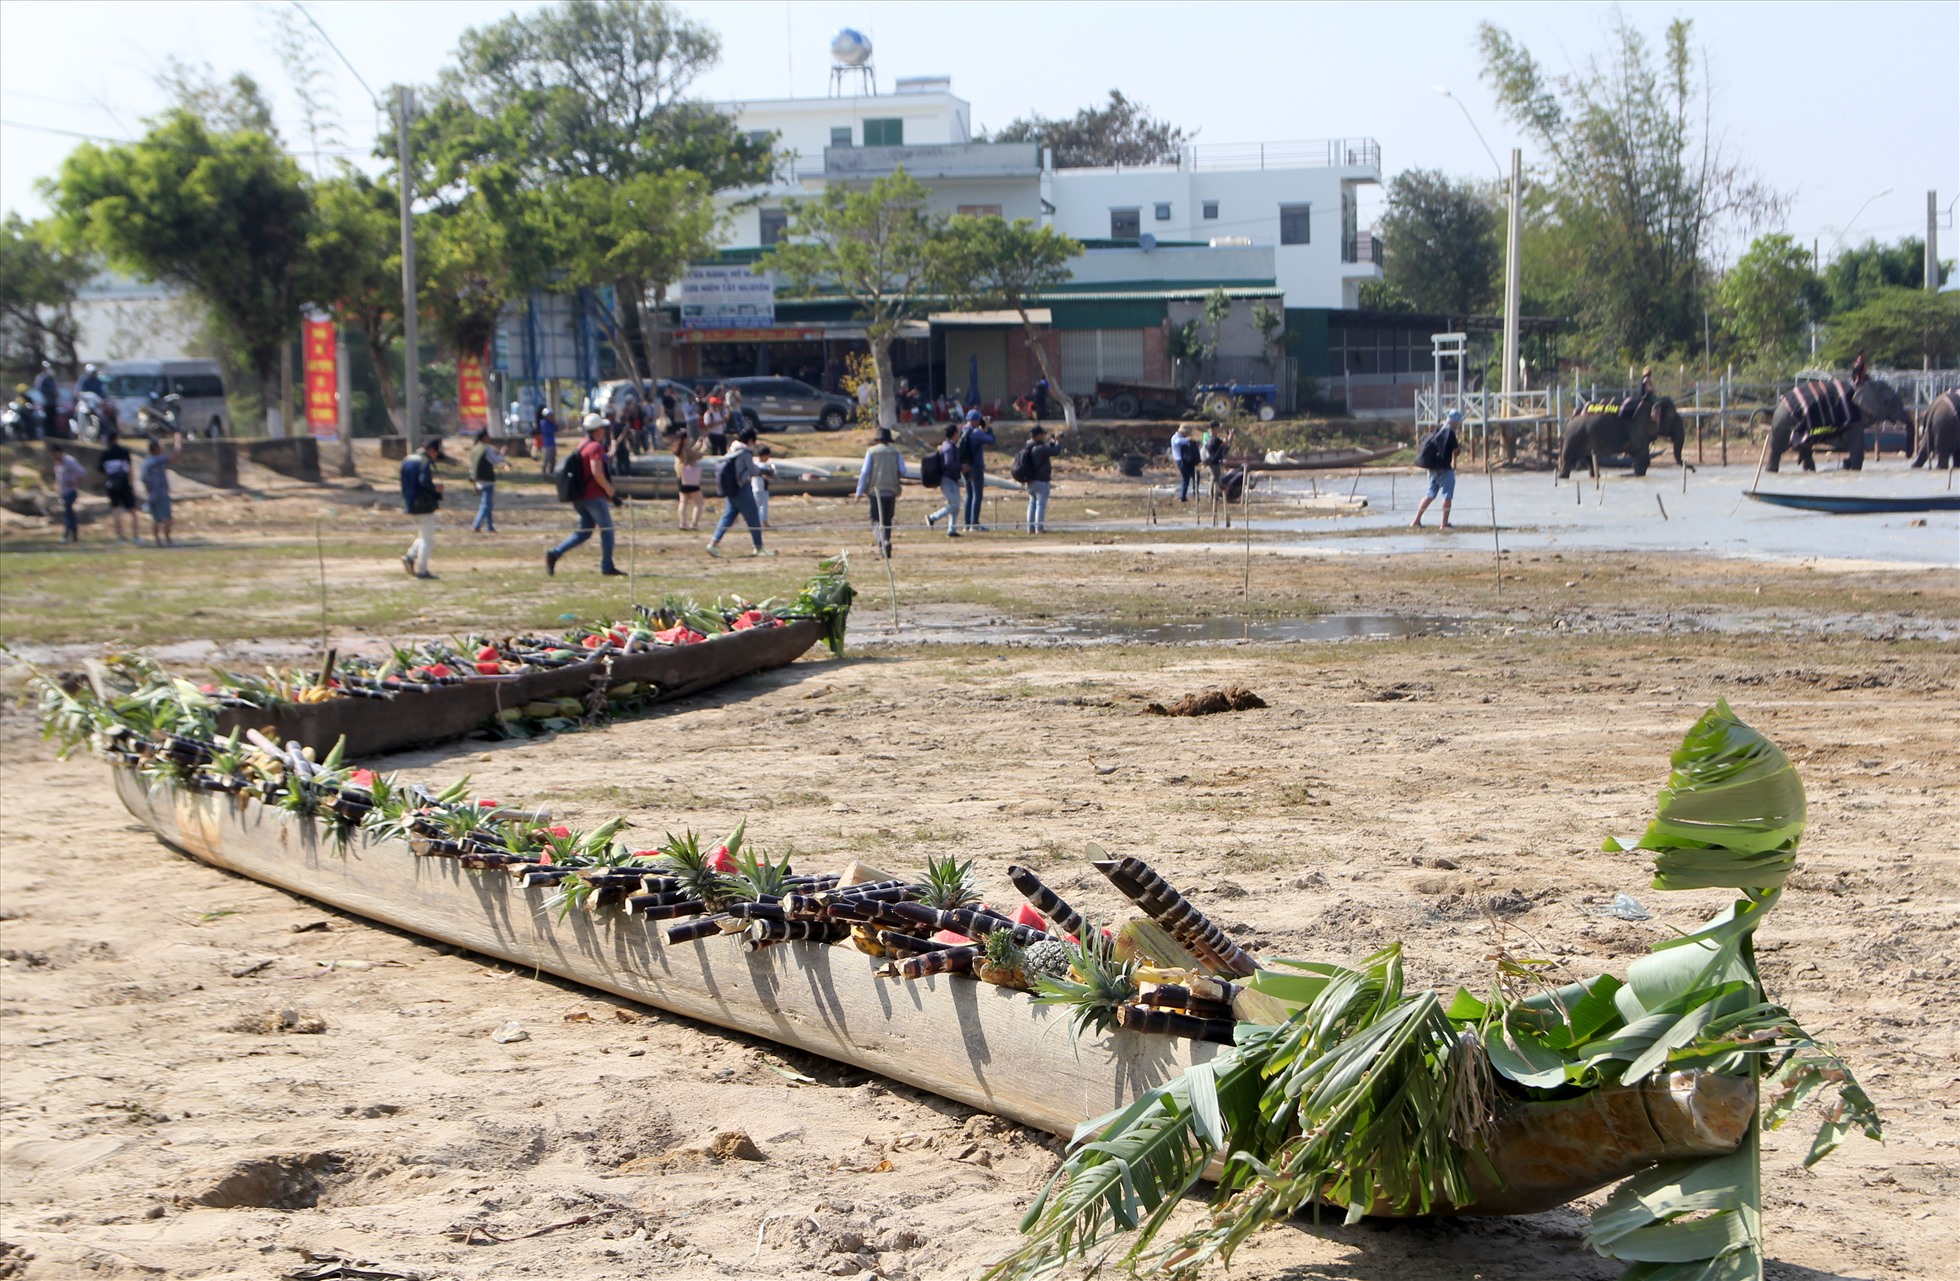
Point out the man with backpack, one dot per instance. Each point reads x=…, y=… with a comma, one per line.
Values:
x=421, y=497
x=973, y=464
x=1438, y=457
x=585, y=481
x=732, y=481
x=485, y=459
x=879, y=480
x=1033, y=467
x=942, y=468
x=1184, y=455
x=1212, y=451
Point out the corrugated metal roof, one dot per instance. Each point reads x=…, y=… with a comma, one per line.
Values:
x=1163, y=295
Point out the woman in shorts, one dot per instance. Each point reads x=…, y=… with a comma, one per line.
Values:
x=119, y=485
x=688, y=452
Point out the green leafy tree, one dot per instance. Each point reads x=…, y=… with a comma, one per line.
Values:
x=1381, y=295
x=990, y=264
x=1900, y=328
x=1641, y=187
x=875, y=247
x=1855, y=276
x=222, y=212
x=38, y=284
x=1770, y=296
x=353, y=268
x=1444, y=241
x=1121, y=132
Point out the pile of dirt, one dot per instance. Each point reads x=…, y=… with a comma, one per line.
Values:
x=1233, y=698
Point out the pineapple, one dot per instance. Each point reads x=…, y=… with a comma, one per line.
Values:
x=1046, y=960
x=949, y=884
x=1002, y=961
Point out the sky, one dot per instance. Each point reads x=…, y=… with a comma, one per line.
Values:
x=1785, y=79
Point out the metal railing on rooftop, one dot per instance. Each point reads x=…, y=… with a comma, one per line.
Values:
x=1312, y=153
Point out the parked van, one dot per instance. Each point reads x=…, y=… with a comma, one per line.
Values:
x=198, y=385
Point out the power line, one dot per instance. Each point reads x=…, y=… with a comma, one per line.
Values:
x=372, y=96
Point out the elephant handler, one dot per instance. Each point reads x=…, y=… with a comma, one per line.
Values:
x=1438, y=457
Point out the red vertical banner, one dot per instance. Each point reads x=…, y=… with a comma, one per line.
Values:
x=322, y=381
x=472, y=398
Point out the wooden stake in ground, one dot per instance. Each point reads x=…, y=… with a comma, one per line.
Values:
x=632, y=555
x=320, y=555
x=891, y=580
x=1245, y=519
x=1497, y=550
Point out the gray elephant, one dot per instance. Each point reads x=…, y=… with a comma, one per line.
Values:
x=1939, y=431
x=1602, y=430
x=1835, y=412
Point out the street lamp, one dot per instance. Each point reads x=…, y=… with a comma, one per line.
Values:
x=1468, y=119
x=1854, y=218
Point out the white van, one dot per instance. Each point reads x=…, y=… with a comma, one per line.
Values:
x=198, y=385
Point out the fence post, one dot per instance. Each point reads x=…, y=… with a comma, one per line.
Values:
x=1699, y=423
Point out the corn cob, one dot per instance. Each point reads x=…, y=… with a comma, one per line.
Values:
x=1175, y=913
x=1064, y=918
x=1142, y=1018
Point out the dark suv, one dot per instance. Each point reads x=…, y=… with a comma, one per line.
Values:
x=770, y=404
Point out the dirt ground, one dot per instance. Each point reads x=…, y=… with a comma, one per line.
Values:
x=207, y=1077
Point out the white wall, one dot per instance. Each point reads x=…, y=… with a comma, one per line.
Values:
x=118, y=319
x=805, y=123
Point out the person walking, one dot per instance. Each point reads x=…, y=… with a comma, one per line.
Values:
x=688, y=451
x=1039, y=400
x=1035, y=469
x=732, y=480
x=421, y=499
x=949, y=482
x=1184, y=454
x=1438, y=457
x=879, y=480
x=974, y=440
x=594, y=502
x=765, y=471
x=49, y=388
x=485, y=460
x=68, y=476
x=1212, y=450
x=119, y=483
x=156, y=488
x=547, y=434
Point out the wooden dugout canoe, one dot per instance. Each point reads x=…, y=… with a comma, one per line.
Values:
x=985, y=1046
x=423, y=717
x=1858, y=504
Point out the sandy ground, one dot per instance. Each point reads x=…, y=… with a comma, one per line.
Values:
x=207, y=1077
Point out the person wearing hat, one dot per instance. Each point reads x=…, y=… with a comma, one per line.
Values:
x=421, y=498
x=595, y=499
x=732, y=480
x=714, y=422
x=547, y=440
x=878, y=480
x=974, y=439
x=1438, y=455
x=1035, y=469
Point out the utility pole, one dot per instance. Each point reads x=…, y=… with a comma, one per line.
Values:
x=1512, y=273
x=411, y=341
x=1932, y=242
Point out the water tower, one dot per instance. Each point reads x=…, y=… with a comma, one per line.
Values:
x=850, y=55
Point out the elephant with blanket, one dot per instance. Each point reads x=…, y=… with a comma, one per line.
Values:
x=1939, y=431
x=1834, y=412
x=1627, y=426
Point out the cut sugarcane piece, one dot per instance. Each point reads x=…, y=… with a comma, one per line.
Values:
x=763, y=934
x=747, y=911
x=673, y=911
x=1172, y=997
x=689, y=931
x=950, y=960
x=1064, y=918
x=635, y=904
x=897, y=941
x=1152, y=945
x=1143, y=1018
x=1175, y=913
x=963, y=921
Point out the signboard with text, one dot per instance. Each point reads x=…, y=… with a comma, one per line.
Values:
x=472, y=397
x=727, y=298
x=322, y=380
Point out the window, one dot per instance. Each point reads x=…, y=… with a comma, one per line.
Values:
x=884, y=133
x=1163, y=211
x=1125, y=224
x=1211, y=209
x=761, y=137
x=978, y=211
x=197, y=386
x=840, y=135
x=775, y=224
x=1296, y=224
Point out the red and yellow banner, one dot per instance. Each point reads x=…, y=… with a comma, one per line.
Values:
x=322, y=381
x=472, y=398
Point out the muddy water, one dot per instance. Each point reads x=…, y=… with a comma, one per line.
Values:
x=944, y=628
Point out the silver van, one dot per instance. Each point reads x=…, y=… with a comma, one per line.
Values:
x=198, y=385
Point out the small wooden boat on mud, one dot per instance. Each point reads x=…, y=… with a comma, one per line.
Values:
x=1320, y=459
x=1859, y=504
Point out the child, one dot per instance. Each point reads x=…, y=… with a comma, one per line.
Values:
x=156, y=488
x=759, y=484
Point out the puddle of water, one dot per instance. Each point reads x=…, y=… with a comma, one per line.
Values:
x=1321, y=628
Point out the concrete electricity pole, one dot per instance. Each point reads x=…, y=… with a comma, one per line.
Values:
x=411, y=341
x=1512, y=274
x=1932, y=242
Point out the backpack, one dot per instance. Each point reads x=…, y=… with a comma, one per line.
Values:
x=1215, y=450
x=1023, y=470
x=570, y=477
x=1433, y=456
x=728, y=477
x=932, y=469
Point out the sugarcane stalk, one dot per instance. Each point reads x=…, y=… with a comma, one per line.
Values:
x=768, y=933
x=1172, y=997
x=1142, y=1018
x=773, y=912
x=1174, y=912
x=674, y=911
x=688, y=931
x=901, y=942
x=951, y=960
x=637, y=903
x=1050, y=904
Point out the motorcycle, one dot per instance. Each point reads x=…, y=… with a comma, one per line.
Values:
x=20, y=420
x=90, y=418
x=161, y=417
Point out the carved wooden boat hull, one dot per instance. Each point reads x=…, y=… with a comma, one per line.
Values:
x=1859, y=504
x=423, y=717
x=985, y=1046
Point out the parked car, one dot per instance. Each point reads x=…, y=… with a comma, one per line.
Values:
x=772, y=404
x=198, y=385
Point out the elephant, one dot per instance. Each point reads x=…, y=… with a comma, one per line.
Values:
x=1869, y=404
x=1939, y=432
x=1598, y=432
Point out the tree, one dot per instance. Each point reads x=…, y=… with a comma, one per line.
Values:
x=1770, y=296
x=1445, y=249
x=38, y=284
x=874, y=246
x=222, y=212
x=1639, y=181
x=353, y=268
x=1900, y=328
x=1120, y=133
x=989, y=264
x=1856, y=275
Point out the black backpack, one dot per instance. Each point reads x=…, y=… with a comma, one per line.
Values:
x=570, y=477
x=1433, y=456
x=1023, y=470
x=932, y=469
x=728, y=477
